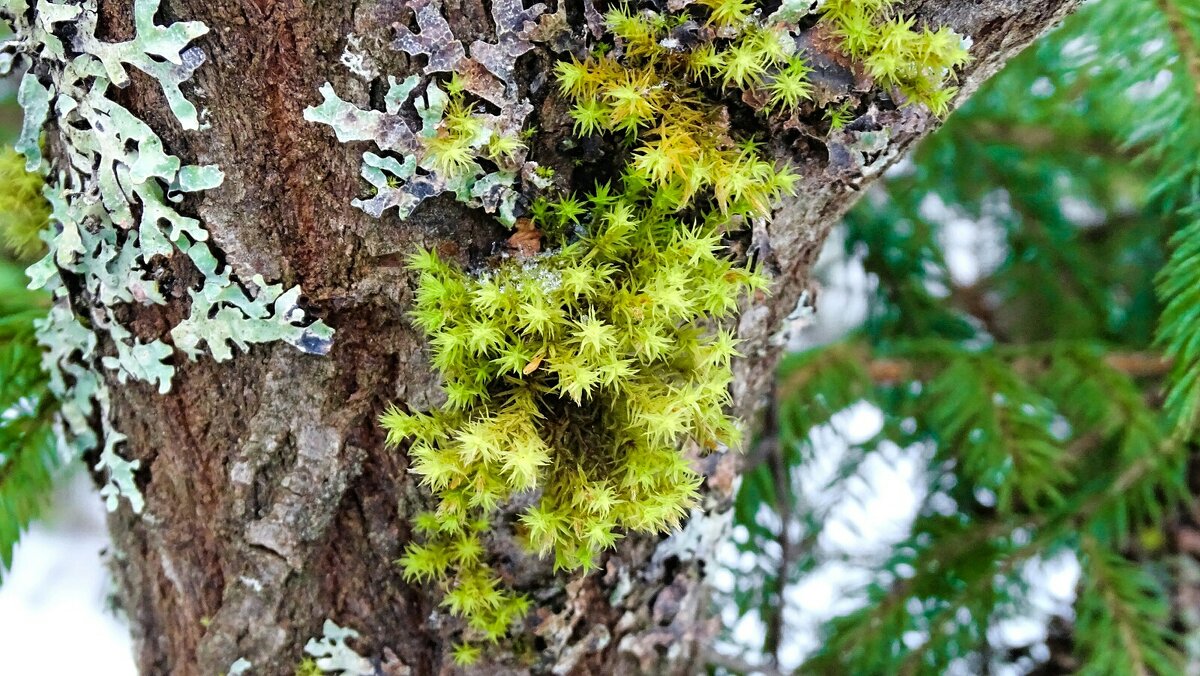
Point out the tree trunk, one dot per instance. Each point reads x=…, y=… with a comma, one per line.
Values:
x=271, y=502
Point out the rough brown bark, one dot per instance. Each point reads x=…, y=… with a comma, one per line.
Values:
x=271, y=502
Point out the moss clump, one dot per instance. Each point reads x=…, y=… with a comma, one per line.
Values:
x=654, y=93
x=576, y=375
x=917, y=62
x=24, y=212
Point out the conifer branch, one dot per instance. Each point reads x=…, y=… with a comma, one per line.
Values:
x=1072, y=354
x=1125, y=632
x=1120, y=600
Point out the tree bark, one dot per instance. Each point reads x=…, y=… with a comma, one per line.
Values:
x=271, y=502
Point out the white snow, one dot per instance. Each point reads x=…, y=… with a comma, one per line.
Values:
x=54, y=603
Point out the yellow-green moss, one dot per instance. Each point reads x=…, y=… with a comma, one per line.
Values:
x=24, y=212
x=308, y=667
x=577, y=375
x=919, y=62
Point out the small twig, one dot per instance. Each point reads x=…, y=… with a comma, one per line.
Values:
x=767, y=450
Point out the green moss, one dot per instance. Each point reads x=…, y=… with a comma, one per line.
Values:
x=917, y=62
x=578, y=374
x=308, y=667
x=24, y=212
x=840, y=115
x=466, y=654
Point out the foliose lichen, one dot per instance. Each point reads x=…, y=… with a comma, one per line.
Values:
x=478, y=157
x=331, y=654
x=113, y=195
x=240, y=667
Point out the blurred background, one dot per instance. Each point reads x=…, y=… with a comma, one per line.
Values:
x=978, y=460
x=981, y=452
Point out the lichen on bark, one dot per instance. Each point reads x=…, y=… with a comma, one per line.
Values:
x=112, y=189
x=486, y=74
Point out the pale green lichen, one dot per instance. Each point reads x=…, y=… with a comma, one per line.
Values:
x=479, y=175
x=113, y=213
x=480, y=180
x=174, y=64
x=333, y=656
x=35, y=100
